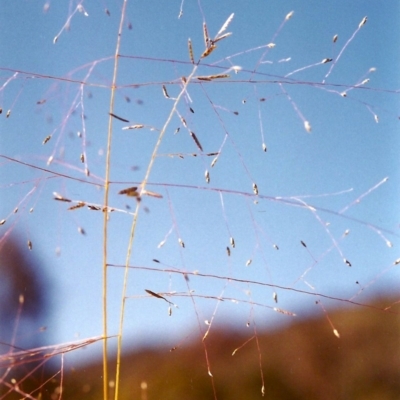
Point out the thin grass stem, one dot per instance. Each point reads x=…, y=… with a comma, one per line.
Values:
x=106, y=195
x=133, y=228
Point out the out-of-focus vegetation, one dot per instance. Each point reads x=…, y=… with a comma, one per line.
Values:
x=303, y=361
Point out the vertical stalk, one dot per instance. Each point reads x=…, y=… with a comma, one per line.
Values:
x=106, y=195
x=133, y=228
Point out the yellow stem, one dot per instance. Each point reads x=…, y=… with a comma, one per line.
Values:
x=106, y=195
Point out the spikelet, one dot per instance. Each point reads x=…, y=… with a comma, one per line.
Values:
x=60, y=198
x=76, y=206
x=275, y=297
x=279, y=310
x=131, y=191
x=225, y=35
x=211, y=77
x=207, y=176
x=165, y=93
x=152, y=194
x=288, y=16
x=219, y=76
x=208, y=51
x=192, y=134
x=336, y=333
x=203, y=78
x=226, y=24
x=363, y=22
x=46, y=139
x=255, y=188
x=93, y=208
x=82, y=10
x=205, y=34
x=136, y=126
x=264, y=147
x=190, y=51
x=347, y=262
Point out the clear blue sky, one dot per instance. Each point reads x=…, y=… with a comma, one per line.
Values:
x=353, y=145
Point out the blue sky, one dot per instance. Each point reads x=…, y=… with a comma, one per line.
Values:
x=352, y=148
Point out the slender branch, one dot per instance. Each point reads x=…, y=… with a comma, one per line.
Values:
x=133, y=228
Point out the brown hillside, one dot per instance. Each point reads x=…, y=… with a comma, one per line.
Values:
x=303, y=361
